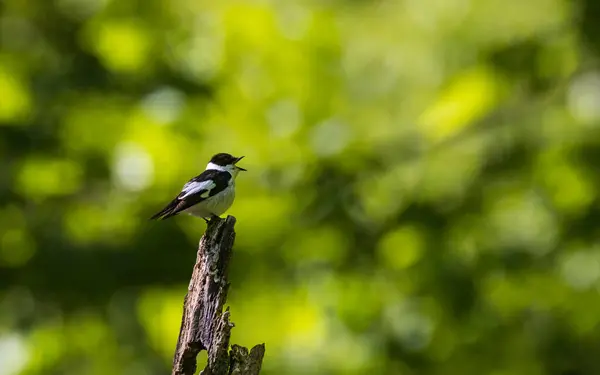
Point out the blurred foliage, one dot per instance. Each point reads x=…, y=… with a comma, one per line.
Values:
x=421, y=195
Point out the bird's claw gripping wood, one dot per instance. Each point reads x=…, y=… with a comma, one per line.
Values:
x=213, y=218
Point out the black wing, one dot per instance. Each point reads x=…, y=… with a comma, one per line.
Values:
x=199, y=188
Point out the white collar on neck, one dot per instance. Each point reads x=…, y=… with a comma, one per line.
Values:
x=231, y=169
x=217, y=167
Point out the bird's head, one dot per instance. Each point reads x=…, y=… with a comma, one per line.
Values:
x=225, y=162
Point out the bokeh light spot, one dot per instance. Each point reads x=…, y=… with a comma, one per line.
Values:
x=401, y=248
x=15, y=102
x=123, y=46
x=133, y=167
x=584, y=96
x=16, y=247
x=40, y=177
x=13, y=354
x=581, y=269
x=330, y=137
x=467, y=98
x=164, y=105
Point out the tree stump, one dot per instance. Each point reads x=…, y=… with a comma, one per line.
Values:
x=204, y=325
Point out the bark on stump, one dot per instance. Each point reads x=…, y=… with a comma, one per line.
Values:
x=204, y=325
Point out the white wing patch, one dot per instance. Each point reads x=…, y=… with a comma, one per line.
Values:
x=194, y=187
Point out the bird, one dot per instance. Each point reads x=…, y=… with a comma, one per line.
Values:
x=208, y=195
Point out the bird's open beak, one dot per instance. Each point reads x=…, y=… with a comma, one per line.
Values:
x=240, y=168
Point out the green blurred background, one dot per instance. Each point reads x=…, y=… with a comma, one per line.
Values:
x=422, y=193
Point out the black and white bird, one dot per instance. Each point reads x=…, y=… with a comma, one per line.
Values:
x=209, y=194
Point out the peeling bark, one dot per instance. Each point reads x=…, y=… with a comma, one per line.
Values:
x=204, y=325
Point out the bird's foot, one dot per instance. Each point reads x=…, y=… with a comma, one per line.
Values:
x=213, y=217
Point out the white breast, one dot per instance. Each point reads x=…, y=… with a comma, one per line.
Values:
x=221, y=202
x=215, y=205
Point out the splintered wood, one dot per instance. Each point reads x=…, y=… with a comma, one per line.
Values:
x=204, y=325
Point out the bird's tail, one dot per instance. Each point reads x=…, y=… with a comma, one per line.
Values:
x=166, y=212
